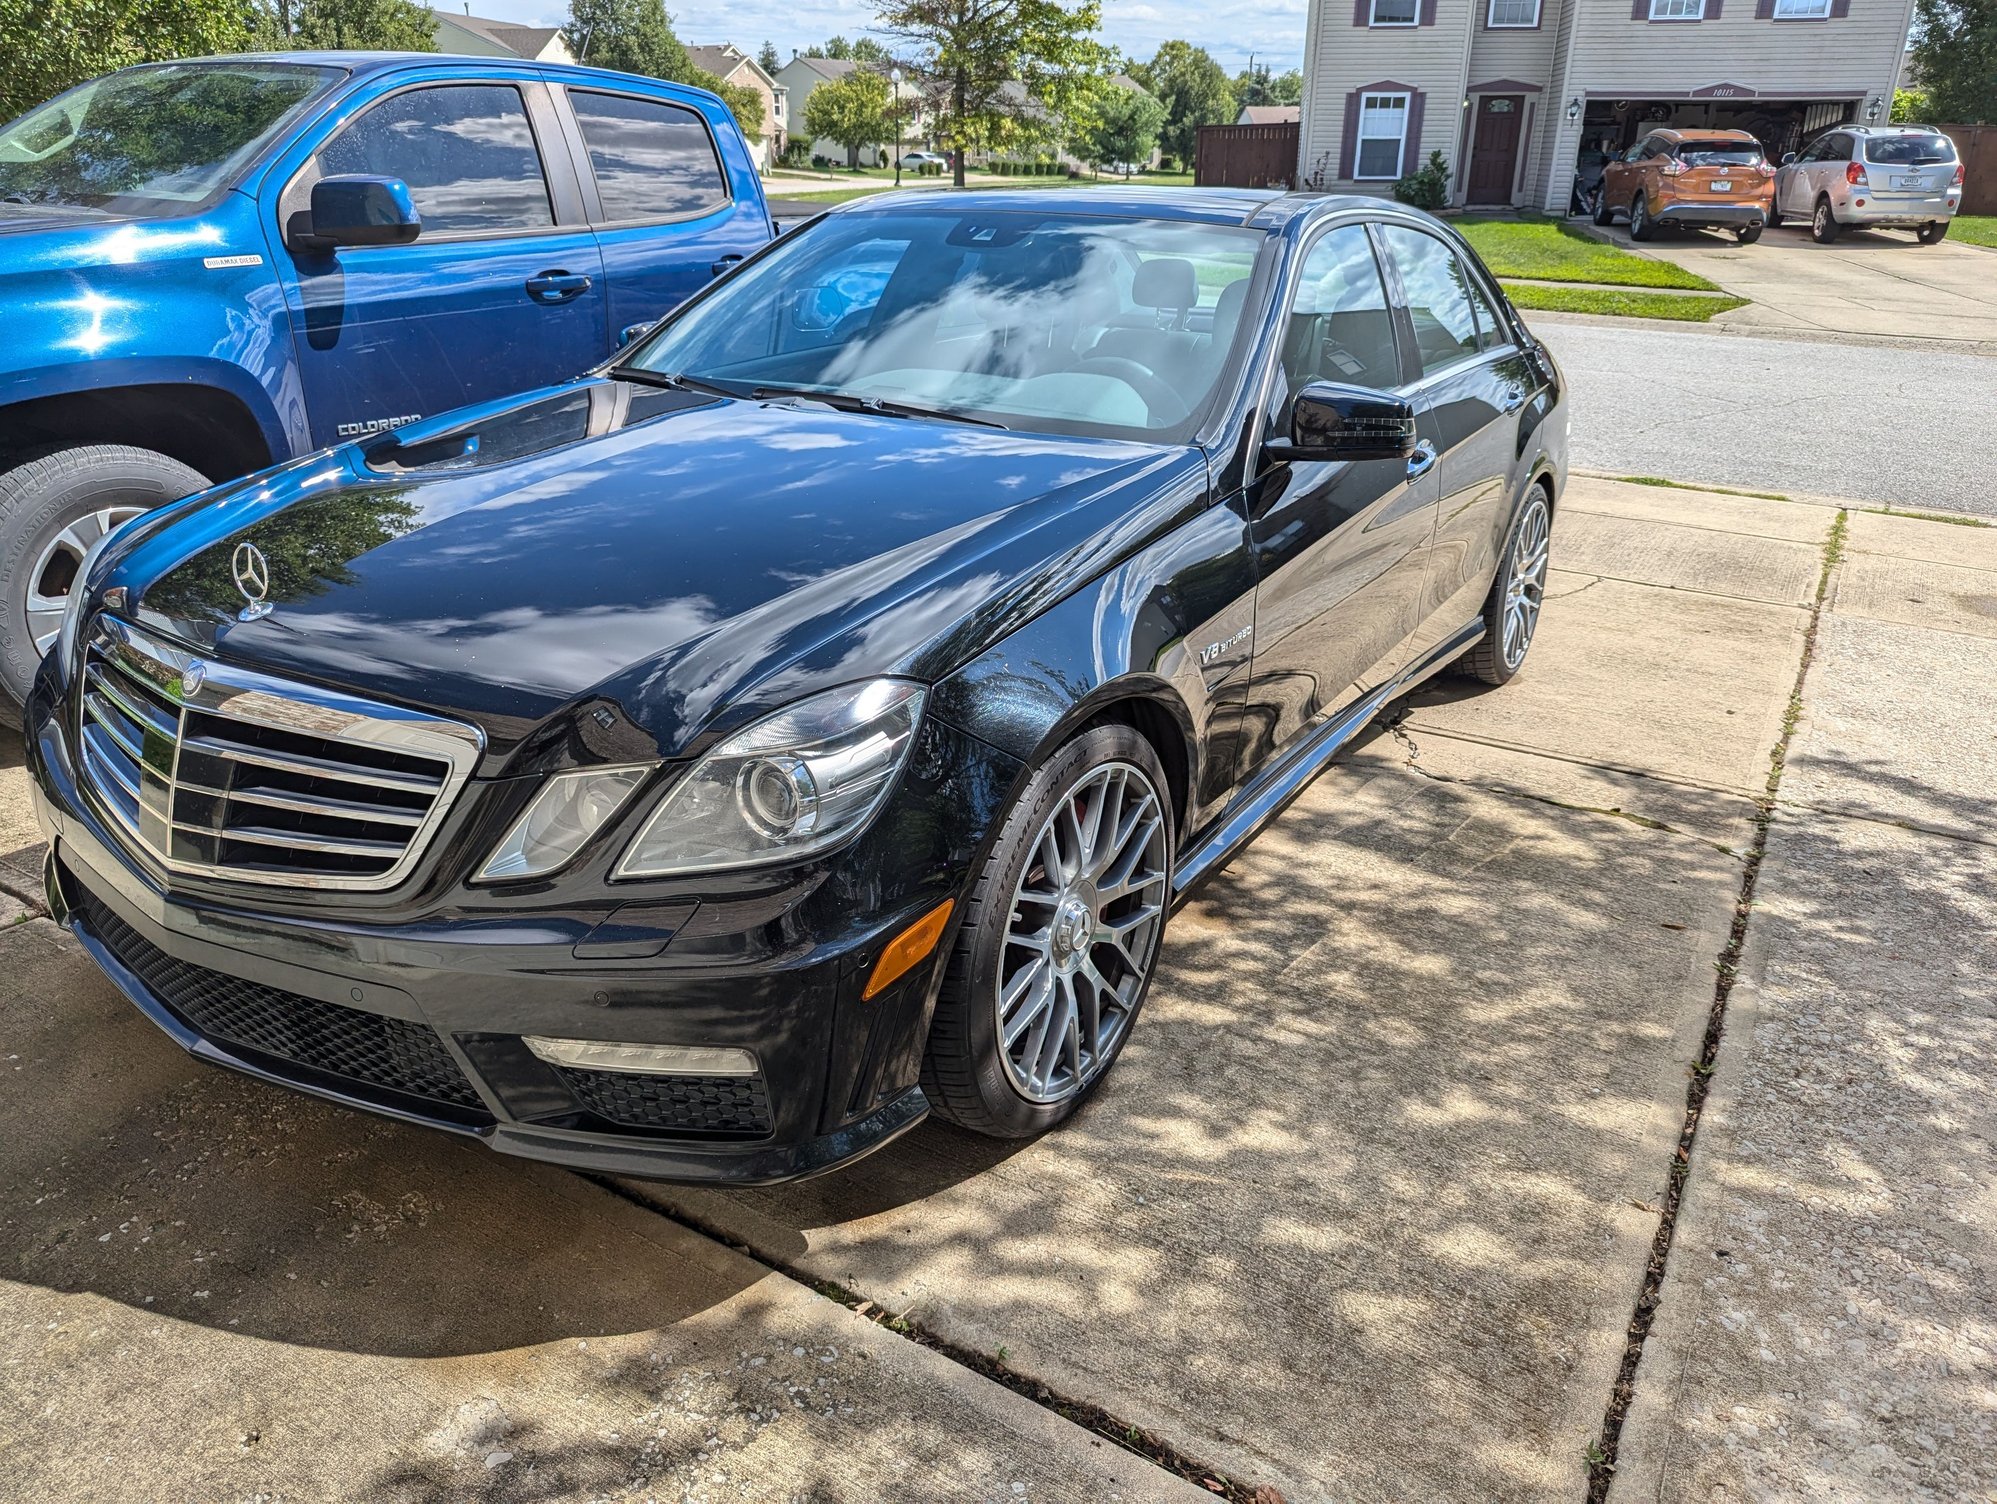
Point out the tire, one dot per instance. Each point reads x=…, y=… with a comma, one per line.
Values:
x=1748, y=234
x=1775, y=216
x=53, y=506
x=1824, y=223
x=1641, y=226
x=1932, y=233
x=1520, y=585
x=1602, y=213
x=1004, y=953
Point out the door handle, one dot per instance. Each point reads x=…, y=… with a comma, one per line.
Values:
x=1514, y=398
x=556, y=287
x=731, y=259
x=1422, y=460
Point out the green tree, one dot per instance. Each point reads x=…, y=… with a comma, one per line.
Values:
x=1000, y=69
x=1911, y=107
x=1195, y=92
x=49, y=47
x=1955, y=49
x=1286, y=88
x=365, y=26
x=632, y=36
x=768, y=60
x=1123, y=129
x=855, y=111
x=743, y=102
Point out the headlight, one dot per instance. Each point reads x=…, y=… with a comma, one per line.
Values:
x=570, y=809
x=797, y=783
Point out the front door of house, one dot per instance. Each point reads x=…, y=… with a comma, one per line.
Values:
x=1494, y=150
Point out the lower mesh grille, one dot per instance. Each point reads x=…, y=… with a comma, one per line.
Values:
x=391, y=1053
x=718, y=1106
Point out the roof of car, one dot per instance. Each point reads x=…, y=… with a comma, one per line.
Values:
x=1692, y=133
x=1267, y=207
x=360, y=64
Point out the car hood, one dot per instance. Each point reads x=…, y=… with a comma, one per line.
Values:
x=667, y=561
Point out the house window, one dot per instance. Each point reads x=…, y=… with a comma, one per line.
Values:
x=1512, y=13
x=1396, y=12
x=1677, y=10
x=1802, y=10
x=1383, y=124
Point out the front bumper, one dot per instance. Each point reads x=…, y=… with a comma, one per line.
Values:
x=1731, y=215
x=422, y=1019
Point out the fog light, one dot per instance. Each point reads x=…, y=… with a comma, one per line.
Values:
x=642, y=1059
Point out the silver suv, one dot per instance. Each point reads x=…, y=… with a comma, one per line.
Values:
x=1870, y=176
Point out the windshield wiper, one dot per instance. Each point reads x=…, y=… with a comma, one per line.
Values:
x=670, y=381
x=881, y=407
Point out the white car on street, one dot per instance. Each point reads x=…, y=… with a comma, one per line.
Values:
x=1871, y=177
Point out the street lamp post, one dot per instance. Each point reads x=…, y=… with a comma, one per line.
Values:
x=894, y=81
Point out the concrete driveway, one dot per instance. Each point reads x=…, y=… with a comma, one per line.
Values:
x=1365, y=1211
x=1875, y=283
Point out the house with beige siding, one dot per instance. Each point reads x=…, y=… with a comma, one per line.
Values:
x=1511, y=91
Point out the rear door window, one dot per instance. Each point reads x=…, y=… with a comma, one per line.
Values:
x=465, y=150
x=1909, y=151
x=1438, y=292
x=652, y=160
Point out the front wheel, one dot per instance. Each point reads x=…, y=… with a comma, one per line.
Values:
x=1824, y=223
x=1640, y=225
x=52, y=508
x=1511, y=613
x=1059, y=940
x=1932, y=233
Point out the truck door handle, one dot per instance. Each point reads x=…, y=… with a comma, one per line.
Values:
x=556, y=287
x=1422, y=460
x=725, y=262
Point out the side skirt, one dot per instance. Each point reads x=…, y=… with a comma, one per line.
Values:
x=1271, y=790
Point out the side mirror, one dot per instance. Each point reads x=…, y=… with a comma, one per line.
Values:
x=360, y=210
x=1788, y=157
x=1332, y=421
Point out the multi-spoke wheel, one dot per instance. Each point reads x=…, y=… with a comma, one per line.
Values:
x=1511, y=615
x=53, y=506
x=1059, y=940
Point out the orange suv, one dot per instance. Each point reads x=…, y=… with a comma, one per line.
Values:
x=1714, y=180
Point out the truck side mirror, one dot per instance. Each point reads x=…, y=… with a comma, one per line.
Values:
x=358, y=210
x=1332, y=421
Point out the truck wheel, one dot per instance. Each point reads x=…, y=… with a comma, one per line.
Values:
x=53, y=506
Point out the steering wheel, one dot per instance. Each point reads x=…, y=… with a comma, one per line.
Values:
x=1167, y=406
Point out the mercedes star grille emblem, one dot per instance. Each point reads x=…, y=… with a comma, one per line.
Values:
x=252, y=572
x=192, y=678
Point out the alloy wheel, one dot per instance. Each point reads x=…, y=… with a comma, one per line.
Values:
x=56, y=568
x=1525, y=581
x=1083, y=932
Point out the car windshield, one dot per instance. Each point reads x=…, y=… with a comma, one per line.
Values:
x=154, y=141
x=1909, y=151
x=1719, y=153
x=1057, y=322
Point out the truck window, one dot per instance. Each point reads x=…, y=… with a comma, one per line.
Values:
x=465, y=150
x=652, y=160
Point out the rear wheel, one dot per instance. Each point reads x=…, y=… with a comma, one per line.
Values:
x=1641, y=226
x=1931, y=233
x=1823, y=223
x=52, y=508
x=1058, y=942
x=1511, y=614
x=1748, y=234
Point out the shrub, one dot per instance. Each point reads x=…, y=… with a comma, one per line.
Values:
x=823, y=164
x=1427, y=187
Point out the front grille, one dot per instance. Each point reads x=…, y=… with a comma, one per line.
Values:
x=218, y=771
x=716, y=1106
x=391, y=1053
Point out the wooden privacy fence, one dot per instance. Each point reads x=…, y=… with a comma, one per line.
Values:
x=1247, y=156
x=1977, y=146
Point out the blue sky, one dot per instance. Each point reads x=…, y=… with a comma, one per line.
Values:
x=1230, y=29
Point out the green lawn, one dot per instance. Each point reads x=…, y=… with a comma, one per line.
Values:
x=1977, y=229
x=1629, y=305
x=1554, y=252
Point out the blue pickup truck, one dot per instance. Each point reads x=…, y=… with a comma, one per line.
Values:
x=211, y=266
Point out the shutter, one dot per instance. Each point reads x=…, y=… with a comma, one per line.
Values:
x=1411, y=158
x=1639, y=10
x=1840, y=9
x=1362, y=12
x=1426, y=16
x=1712, y=10
x=1764, y=10
x=1348, y=143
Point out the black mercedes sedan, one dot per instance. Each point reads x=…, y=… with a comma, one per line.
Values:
x=707, y=768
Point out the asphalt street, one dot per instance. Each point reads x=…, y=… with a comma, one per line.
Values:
x=1905, y=427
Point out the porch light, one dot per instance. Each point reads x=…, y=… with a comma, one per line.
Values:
x=1573, y=109
x=1872, y=108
